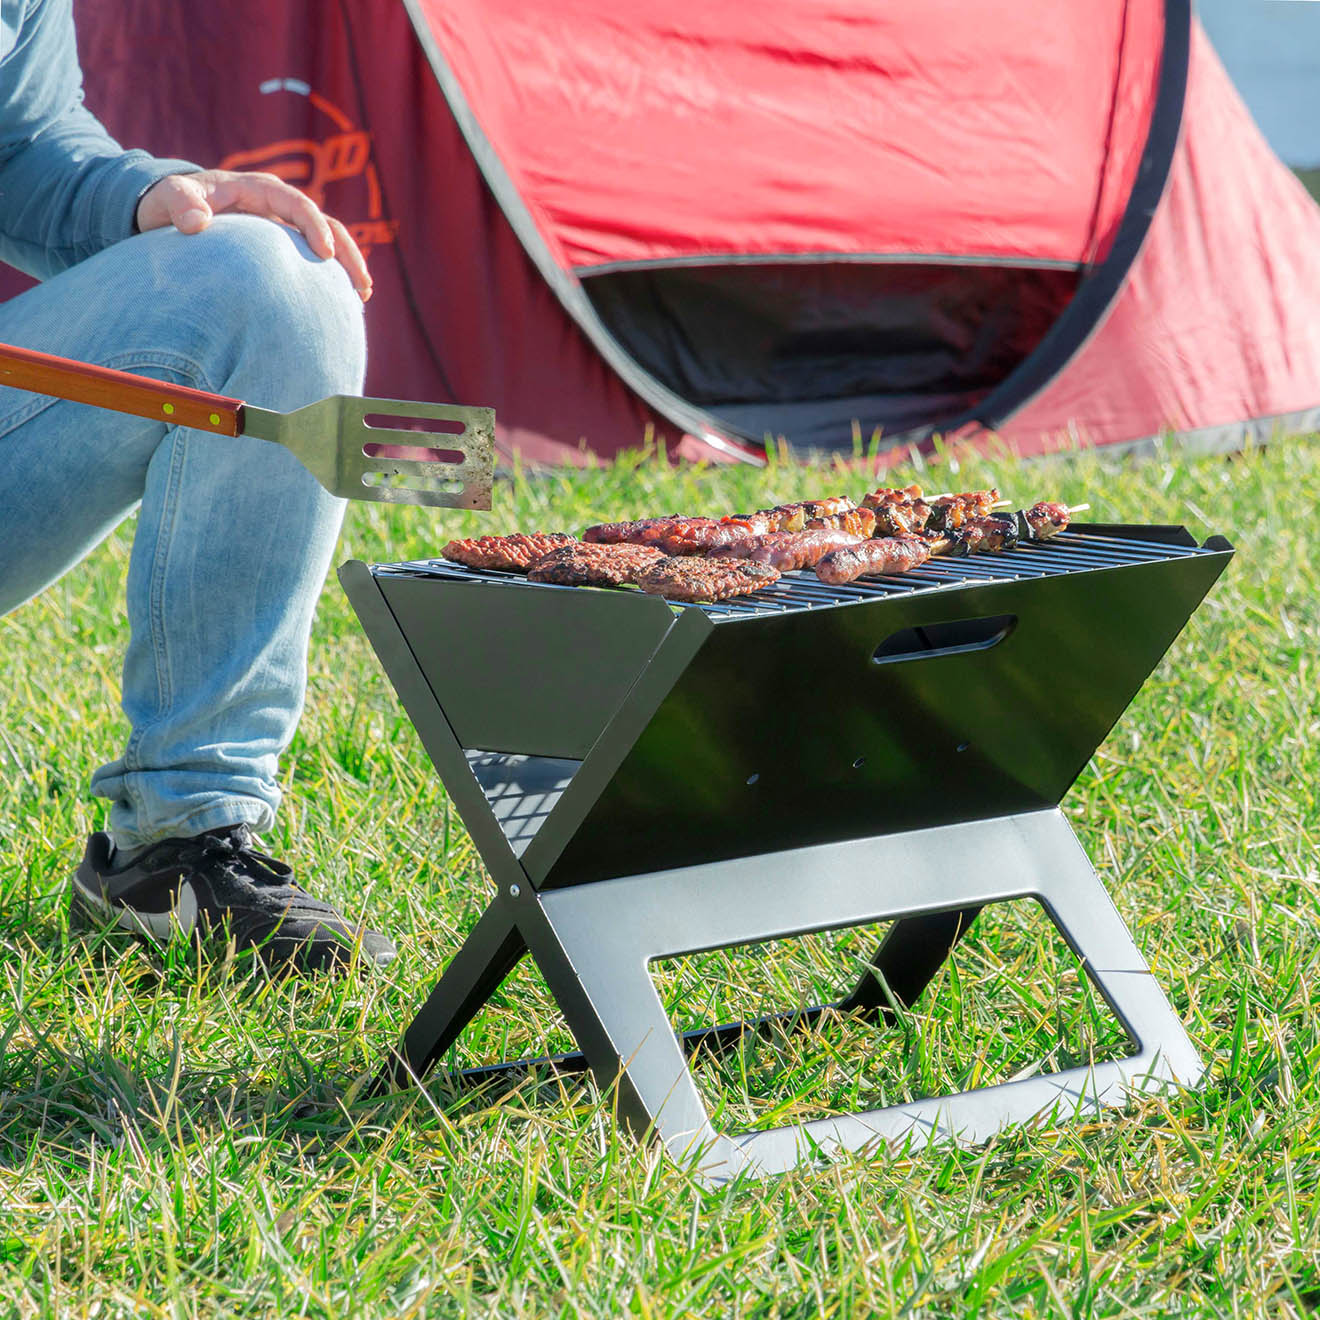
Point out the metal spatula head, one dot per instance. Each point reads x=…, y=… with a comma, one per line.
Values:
x=391, y=450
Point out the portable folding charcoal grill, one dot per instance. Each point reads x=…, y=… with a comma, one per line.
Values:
x=646, y=780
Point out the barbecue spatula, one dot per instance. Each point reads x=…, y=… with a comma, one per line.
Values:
x=333, y=439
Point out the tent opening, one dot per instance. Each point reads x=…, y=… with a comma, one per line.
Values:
x=885, y=344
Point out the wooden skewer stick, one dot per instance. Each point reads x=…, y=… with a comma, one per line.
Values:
x=1078, y=508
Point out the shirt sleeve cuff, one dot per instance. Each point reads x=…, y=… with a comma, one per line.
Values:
x=138, y=173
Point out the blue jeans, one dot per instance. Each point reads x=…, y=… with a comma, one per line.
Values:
x=233, y=536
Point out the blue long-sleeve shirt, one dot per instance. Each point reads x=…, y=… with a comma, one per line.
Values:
x=67, y=188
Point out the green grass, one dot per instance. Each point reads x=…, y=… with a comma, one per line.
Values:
x=178, y=1140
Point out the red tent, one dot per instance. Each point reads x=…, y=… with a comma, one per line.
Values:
x=719, y=223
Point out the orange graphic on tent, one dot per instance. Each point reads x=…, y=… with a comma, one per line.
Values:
x=328, y=169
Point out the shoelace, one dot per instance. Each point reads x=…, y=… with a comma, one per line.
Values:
x=232, y=849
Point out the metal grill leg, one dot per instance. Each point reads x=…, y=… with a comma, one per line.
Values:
x=492, y=950
x=594, y=944
x=911, y=953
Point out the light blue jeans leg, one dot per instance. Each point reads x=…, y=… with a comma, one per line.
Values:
x=233, y=536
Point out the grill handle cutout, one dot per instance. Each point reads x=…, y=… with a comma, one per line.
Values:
x=952, y=638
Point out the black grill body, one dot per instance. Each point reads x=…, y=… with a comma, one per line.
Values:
x=597, y=741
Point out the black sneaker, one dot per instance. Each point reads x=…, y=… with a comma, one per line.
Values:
x=217, y=883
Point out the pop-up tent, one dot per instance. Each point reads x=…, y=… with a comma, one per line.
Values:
x=715, y=223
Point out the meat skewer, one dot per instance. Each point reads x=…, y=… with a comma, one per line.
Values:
x=898, y=512
x=860, y=521
x=907, y=511
x=1044, y=520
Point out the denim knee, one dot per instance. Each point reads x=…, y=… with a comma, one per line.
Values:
x=283, y=309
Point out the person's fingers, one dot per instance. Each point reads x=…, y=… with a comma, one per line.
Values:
x=179, y=200
x=189, y=201
x=351, y=258
x=265, y=195
x=189, y=209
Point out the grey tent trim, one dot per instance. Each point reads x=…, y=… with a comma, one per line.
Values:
x=693, y=420
x=822, y=259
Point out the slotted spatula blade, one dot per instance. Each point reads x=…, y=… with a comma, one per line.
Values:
x=362, y=449
x=357, y=448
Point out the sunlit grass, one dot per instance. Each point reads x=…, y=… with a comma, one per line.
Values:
x=178, y=1141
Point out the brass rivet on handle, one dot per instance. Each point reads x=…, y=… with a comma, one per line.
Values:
x=215, y=419
x=167, y=409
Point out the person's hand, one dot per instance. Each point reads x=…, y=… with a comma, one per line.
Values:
x=188, y=202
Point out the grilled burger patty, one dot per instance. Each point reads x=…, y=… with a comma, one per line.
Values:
x=594, y=565
x=687, y=578
x=787, y=551
x=517, y=552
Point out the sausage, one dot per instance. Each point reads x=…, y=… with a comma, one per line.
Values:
x=885, y=554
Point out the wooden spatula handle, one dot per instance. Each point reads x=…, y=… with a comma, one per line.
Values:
x=120, y=391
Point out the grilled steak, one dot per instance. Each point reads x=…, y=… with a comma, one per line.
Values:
x=582, y=565
x=886, y=554
x=705, y=579
x=516, y=553
x=787, y=551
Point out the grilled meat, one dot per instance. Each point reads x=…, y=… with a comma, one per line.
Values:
x=691, y=579
x=885, y=554
x=1043, y=520
x=897, y=512
x=976, y=536
x=949, y=511
x=891, y=495
x=754, y=524
x=697, y=536
x=637, y=531
x=516, y=553
x=824, y=508
x=590, y=565
x=787, y=551
x=859, y=521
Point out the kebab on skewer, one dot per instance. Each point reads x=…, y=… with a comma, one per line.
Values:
x=703, y=536
x=905, y=511
x=980, y=535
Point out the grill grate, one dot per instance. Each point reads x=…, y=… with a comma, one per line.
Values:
x=1072, y=551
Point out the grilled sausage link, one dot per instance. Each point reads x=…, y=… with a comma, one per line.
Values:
x=787, y=551
x=885, y=554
